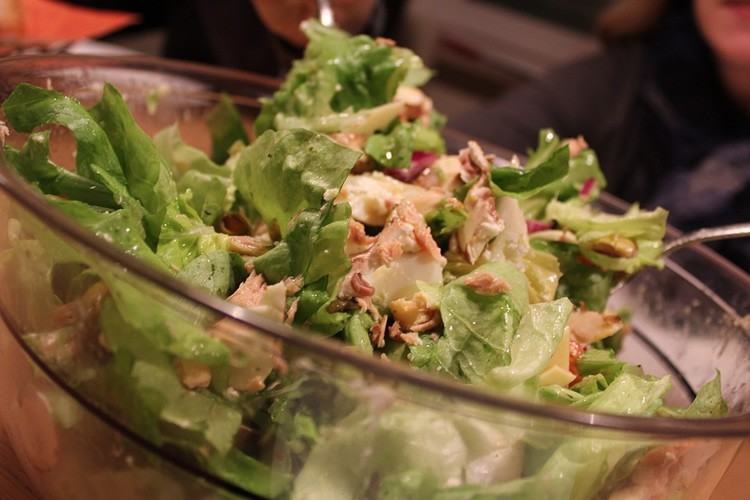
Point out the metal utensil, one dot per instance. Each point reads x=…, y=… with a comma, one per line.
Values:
x=703, y=235
x=325, y=13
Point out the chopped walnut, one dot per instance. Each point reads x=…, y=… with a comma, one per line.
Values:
x=415, y=314
x=250, y=245
x=83, y=308
x=616, y=246
x=591, y=326
x=193, y=374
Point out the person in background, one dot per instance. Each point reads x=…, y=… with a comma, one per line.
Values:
x=261, y=36
x=666, y=106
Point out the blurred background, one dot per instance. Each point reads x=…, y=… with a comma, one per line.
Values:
x=479, y=49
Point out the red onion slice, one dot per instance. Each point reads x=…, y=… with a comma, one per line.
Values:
x=420, y=160
x=534, y=226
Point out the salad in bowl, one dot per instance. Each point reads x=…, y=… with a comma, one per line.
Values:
x=341, y=214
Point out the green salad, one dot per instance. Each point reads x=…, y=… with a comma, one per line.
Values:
x=343, y=216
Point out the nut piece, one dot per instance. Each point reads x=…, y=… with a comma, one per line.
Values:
x=616, y=246
x=193, y=374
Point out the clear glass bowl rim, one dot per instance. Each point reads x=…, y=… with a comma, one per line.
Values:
x=21, y=193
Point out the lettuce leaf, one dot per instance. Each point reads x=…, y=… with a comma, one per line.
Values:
x=445, y=219
x=283, y=173
x=537, y=337
x=339, y=73
x=33, y=164
x=147, y=177
x=225, y=126
x=395, y=147
x=314, y=248
x=28, y=107
x=478, y=329
x=645, y=228
x=583, y=168
x=524, y=183
x=582, y=283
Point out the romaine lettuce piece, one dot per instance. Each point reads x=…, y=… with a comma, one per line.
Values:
x=478, y=329
x=147, y=177
x=524, y=183
x=395, y=147
x=534, y=343
x=283, y=173
x=33, y=163
x=28, y=107
x=611, y=242
x=226, y=128
x=340, y=73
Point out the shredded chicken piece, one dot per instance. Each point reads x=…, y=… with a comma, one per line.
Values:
x=410, y=338
x=250, y=245
x=292, y=312
x=293, y=285
x=482, y=224
x=83, y=308
x=349, y=139
x=250, y=292
x=576, y=145
x=486, y=284
x=388, y=42
x=252, y=355
x=591, y=326
x=358, y=241
x=417, y=106
x=360, y=286
x=4, y=132
x=377, y=332
x=193, y=374
x=474, y=162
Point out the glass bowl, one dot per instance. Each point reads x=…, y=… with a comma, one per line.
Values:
x=78, y=435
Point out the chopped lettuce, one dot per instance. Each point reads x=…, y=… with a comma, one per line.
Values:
x=583, y=284
x=524, y=183
x=283, y=173
x=226, y=128
x=445, y=219
x=340, y=73
x=395, y=147
x=28, y=107
x=537, y=337
x=638, y=232
x=33, y=163
x=478, y=329
x=583, y=171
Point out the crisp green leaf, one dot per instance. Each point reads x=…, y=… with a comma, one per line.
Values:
x=225, y=126
x=28, y=107
x=283, y=173
x=357, y=331
x=445, y=219
x=534, y=343
x=147, y=176
x=645, y=228
x=394, y=148
x=340, y=73
x=33, y=164
x=524, y=183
